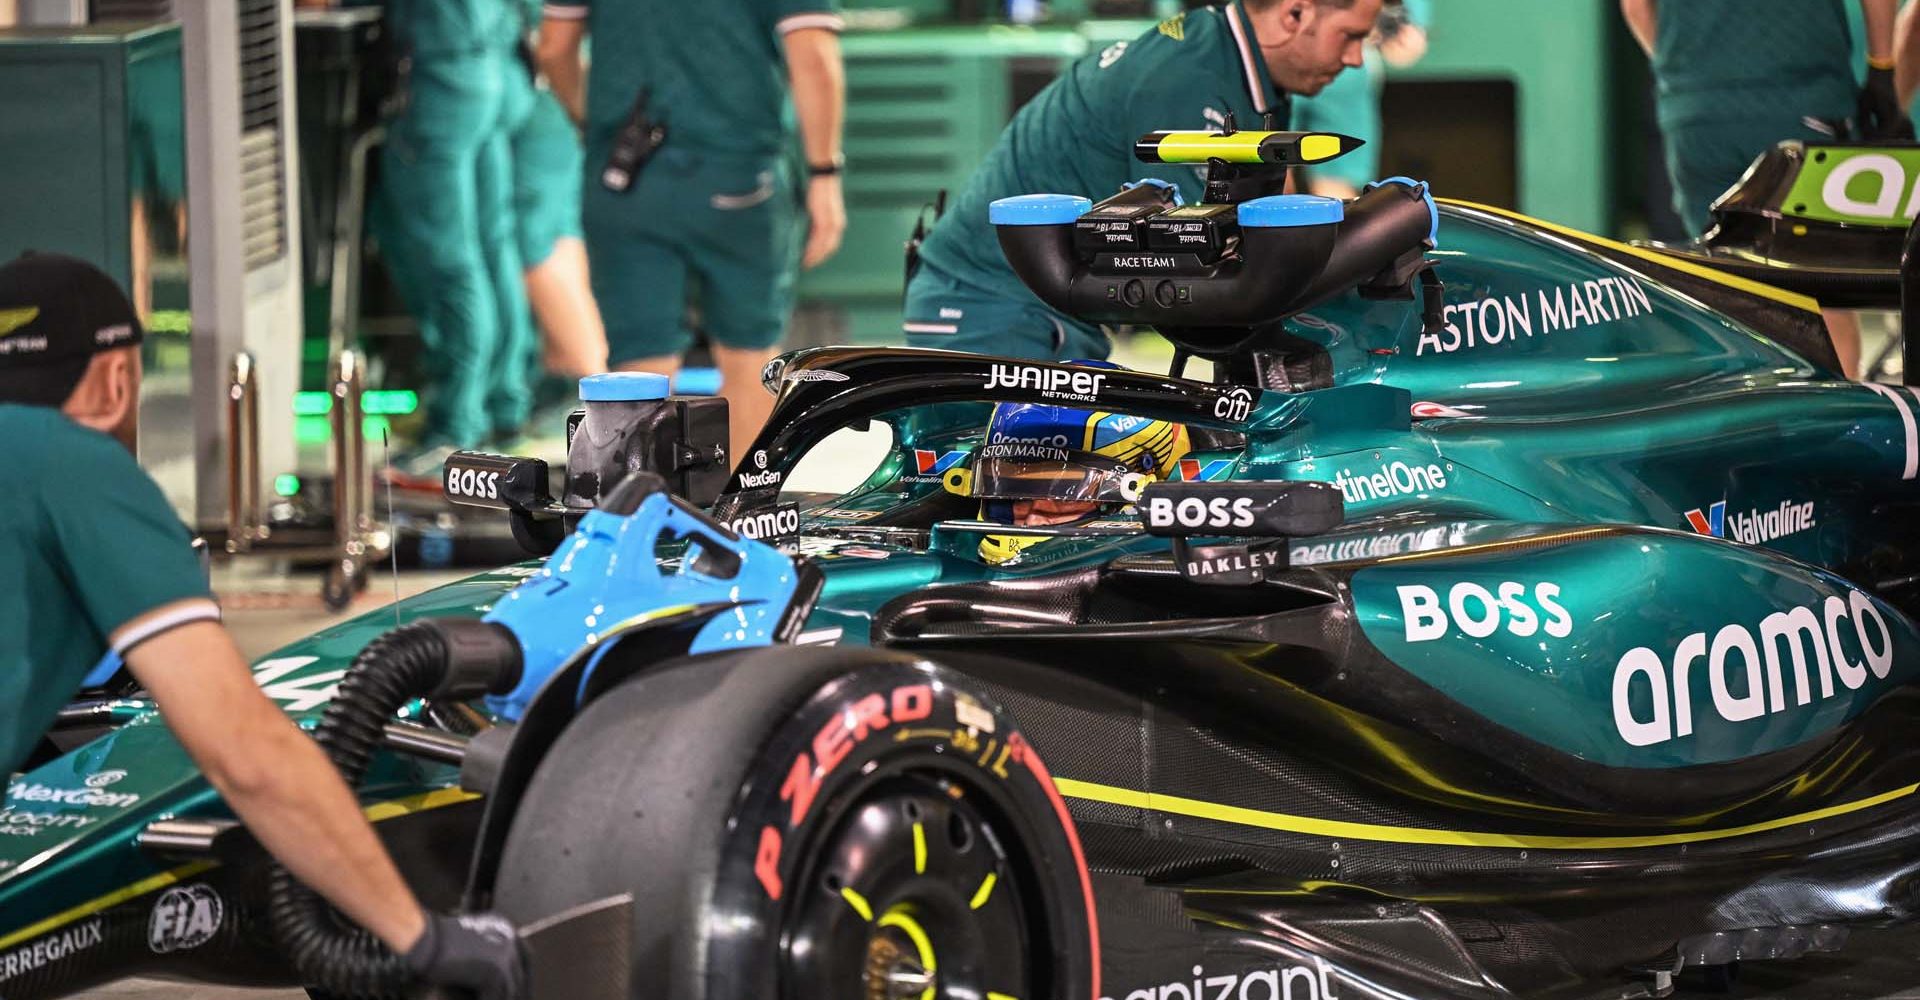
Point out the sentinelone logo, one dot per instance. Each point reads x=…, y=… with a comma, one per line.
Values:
x=1390, y=480
x=1755, y=527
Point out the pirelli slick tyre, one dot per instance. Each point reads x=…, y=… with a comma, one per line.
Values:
x=811, y=823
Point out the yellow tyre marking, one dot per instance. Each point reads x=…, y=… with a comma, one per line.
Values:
x=919, y=850
x=986, y=889
x=1176, y=805
x=922, y=944
x=1748, y=285
x=858, y=902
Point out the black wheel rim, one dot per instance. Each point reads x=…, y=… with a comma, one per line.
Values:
x=919, y=889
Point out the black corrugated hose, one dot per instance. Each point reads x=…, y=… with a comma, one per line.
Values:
x=437, y=658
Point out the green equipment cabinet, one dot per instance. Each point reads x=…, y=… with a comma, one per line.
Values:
x=94, y=161
x=1513, y=105
x=924, y=107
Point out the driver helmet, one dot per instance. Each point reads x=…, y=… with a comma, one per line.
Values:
x=1056, y=465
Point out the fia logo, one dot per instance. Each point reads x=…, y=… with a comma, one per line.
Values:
x=184, y=917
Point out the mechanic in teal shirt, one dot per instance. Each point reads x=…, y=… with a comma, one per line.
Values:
x=713, y=210
x=1350, y=104
x=98, y=563
x=444, y=217
x=547, y=161
x=1735, y=77
x=1077, y=136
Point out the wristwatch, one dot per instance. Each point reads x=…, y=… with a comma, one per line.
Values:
x=834, y=169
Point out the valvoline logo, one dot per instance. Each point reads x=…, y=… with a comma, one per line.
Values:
x=933, y=463
x=1192, y=470
x=1712, y=522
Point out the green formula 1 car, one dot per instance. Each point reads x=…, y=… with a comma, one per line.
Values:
x=1525, y=615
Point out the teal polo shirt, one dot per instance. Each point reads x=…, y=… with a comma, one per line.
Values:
x=90, y=545
x=1077, y=135
x=1728, y=61
x=714, y=71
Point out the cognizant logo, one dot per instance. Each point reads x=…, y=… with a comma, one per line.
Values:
x=1809, y=642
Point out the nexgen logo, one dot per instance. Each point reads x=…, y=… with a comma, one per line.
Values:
x=1748, y=675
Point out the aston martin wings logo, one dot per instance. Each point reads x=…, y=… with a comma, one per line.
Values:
x=14, y=319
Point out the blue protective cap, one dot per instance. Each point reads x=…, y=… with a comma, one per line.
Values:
x=697, y=382
x=1426, y=191
x=1282, y=211
x=1038, y=209
x=622, y=387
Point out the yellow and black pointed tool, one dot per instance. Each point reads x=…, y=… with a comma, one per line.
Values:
x=1286, y=149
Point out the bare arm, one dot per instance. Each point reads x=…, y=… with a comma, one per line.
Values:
x=1641, y=20
x=1906, y=53
x=1879, y=15
x=276, y=778
x=558, y=53
x=820, y=103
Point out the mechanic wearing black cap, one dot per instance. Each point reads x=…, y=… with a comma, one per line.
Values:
x=98, y=561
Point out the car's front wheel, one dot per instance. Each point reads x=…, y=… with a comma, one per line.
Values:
x=811, y=823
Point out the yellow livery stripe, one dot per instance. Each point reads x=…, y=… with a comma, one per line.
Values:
x=1310, y=826
x=114, y=898
x=375, y=813
x=1748, y=285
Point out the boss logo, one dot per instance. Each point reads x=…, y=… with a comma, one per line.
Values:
x=1479, y=612
x=1193, y=512
x=477, y=483
x=1234, y=404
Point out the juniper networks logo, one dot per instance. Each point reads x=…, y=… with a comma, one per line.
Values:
x=1051, y=383
x=1753, y=527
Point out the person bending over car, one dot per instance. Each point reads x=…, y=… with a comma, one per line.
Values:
x=98, y=563
x=1734, y=77
x=1077, y=137
x=1056, y=466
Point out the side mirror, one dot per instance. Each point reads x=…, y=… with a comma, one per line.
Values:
x=501, y=482
x=1283, y=509
x=1276, y=510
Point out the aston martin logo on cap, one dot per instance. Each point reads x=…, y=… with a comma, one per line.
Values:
x=14, y=319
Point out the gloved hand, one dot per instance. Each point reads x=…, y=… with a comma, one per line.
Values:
x=478, y=952
x=1878, y=114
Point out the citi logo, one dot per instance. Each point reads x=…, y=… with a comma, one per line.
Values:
x=1052, y=383
x=1749, y=675
x=1755, y=527
x=1234, y=404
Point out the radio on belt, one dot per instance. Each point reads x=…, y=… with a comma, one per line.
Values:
x=1205, y=230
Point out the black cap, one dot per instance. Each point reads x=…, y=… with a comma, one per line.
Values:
x=56, y=313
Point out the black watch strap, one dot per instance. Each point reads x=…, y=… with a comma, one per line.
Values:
x=834, y=169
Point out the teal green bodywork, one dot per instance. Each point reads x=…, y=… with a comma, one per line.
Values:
x=1532, y=443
